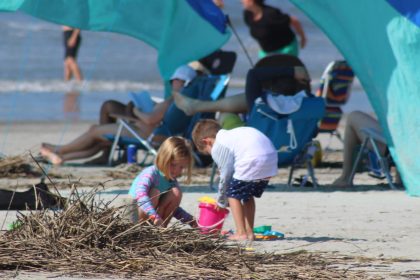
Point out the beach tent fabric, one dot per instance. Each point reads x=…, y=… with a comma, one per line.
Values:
x=381, y=41
x=181, y=31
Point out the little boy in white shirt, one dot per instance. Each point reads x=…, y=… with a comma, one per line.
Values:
x=246, y=159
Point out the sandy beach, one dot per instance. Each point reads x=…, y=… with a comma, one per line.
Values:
x=368, y=221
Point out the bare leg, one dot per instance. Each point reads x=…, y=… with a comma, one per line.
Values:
x=67, y=70
x=111, y=107
x=231, y=104
x=353, y=137
x=249, y=211
x=84, y=141
x=238, y=217
x=154, y=195
x=74, y=68
x=57, y=159
x=93, y=137
x=168, y=204
x=85, y=153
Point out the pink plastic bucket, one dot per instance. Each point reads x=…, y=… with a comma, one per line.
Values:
x=211, y=219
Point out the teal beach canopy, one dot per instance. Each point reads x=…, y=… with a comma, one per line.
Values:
x=181, y=31
x=381, y=41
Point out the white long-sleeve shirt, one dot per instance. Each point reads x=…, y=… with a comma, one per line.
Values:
x=243, y=153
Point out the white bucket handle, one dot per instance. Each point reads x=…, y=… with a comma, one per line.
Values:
x=212, y=226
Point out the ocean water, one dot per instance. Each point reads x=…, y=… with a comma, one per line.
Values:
x=31, y=66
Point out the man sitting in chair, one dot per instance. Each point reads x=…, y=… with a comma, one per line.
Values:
x=93, y=141
x=353, y=137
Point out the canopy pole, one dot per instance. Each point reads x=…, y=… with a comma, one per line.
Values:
x=239, y=40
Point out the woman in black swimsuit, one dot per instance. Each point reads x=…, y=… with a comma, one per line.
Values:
x=72, y=41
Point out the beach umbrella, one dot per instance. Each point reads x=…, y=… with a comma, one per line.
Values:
x=381, y=41
x=180, y=30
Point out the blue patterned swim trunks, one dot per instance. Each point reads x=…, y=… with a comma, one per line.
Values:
x=244, y=190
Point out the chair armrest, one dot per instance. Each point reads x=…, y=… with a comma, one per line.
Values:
x=133, y=132
x=123, y=117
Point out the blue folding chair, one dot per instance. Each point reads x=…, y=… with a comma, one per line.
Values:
x=291, y=134
x=121, y=143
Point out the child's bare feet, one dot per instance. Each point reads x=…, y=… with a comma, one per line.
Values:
x=251, y=237
x=51, y=157
x=184, y=103
x=238, y=237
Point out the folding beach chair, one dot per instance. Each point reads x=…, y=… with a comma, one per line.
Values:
x=335, y=88
x=175, y=121
x=120, y=142
x=291, y=134
x=378, y=164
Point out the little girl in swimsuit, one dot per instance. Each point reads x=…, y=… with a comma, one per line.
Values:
x=156, y=190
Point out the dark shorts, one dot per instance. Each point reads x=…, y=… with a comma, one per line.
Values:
x=71, y=51
x=244, y=190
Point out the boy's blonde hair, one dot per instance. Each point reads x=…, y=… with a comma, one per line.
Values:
x=174, y=148
x=206, y=128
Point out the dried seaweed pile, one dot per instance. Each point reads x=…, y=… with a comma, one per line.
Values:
x=92, y=239
x=17, y=167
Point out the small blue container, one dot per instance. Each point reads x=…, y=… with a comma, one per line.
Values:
x=131, y=153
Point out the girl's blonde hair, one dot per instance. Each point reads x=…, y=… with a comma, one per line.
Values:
x=174, y=148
